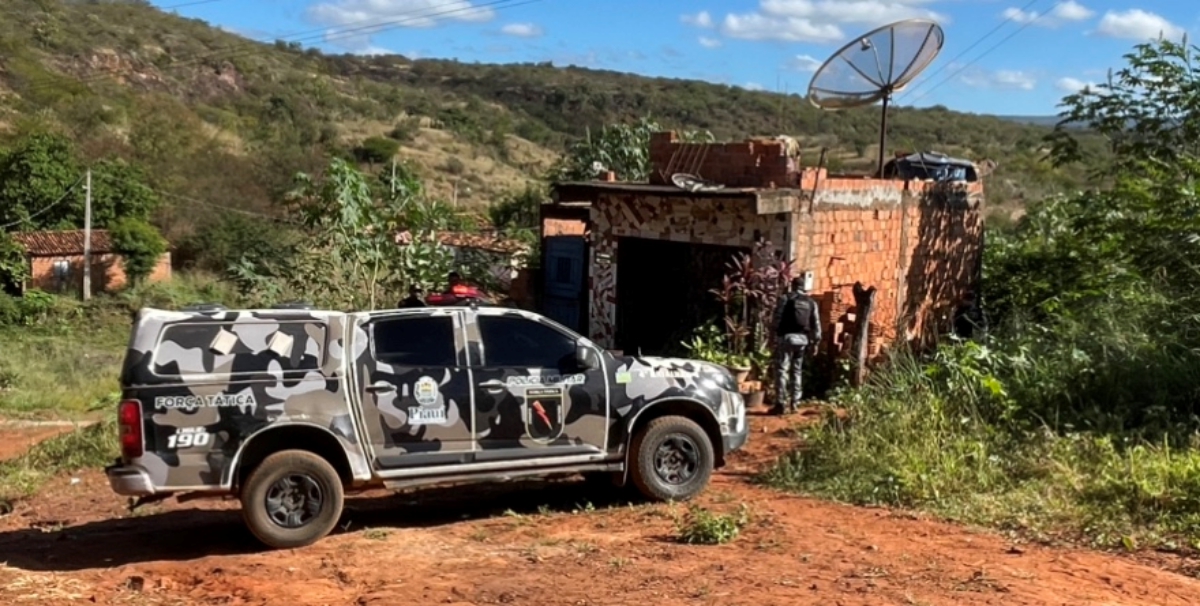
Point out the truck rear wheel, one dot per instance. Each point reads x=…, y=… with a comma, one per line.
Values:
x=292, y=499
x=672, y=459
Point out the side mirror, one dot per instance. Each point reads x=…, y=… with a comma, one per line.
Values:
x=585, y=358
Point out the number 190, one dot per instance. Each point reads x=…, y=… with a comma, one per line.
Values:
x=188, y=440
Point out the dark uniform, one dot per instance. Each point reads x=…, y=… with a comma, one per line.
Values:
x=797, y=325
x=413, y=299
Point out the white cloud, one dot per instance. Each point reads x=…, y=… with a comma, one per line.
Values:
x=1002, y=79
x=819, y=21
x=358, y=16
x=1072, y=85
x=521, y=30
x=707, y=42
x=1017, y=15
x=1137, y=24
x=700, y=19
x=1072, y=11
x=374, y=50
x=804, y=63
x=1063, y=11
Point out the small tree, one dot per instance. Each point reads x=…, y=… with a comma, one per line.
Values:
x=14, y=267
x=1145, y=111
x=351, y=234
x=621, y=148
x=140, y=245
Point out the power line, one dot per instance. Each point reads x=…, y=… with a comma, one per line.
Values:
x=45, y=209
x=976, y=59
x=327, y=34
x=189, y=199
x=930, y=76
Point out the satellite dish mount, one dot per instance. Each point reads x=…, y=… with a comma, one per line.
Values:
x=874, y=66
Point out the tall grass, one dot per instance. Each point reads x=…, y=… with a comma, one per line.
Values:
x=1082, y=430
x=60, y=358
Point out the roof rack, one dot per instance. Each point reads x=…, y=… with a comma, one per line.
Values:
x=293, y=305
x=204, y=307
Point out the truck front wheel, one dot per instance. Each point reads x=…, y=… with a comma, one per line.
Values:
x=672, y=459
x=292, y=499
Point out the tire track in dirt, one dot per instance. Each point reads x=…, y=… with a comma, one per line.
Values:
x=551, y=543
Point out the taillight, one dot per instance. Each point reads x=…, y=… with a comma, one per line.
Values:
x=129, y=419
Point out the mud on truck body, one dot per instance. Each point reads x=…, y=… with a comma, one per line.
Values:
x=290, y=409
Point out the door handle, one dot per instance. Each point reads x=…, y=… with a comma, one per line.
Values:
x=381, y=388
x=492, y=385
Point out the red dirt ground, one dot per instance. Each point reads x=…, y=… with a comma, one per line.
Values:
x=544, y=544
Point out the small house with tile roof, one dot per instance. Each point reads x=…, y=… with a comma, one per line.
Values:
x=56, y=261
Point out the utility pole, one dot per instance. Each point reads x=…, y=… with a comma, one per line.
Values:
x=393, y=178
x=87, y=237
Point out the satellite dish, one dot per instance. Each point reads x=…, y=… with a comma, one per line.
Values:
x=874, y=66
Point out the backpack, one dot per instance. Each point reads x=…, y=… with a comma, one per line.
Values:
x=799, y=309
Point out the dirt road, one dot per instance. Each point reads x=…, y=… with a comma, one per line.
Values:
x=548, y=544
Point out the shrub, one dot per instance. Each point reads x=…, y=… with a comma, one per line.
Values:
x=141, y=246
x=405, y=130
x=703, y=527
x=376, y=150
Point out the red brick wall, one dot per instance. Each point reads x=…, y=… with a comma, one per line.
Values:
x=750, y=163
x=563, y=227
x=107, y=272
x=917, y=243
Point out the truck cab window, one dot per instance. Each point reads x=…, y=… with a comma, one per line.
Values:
x=515, y=342
x=417, y=342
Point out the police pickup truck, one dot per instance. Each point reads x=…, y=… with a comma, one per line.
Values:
x=289, y=409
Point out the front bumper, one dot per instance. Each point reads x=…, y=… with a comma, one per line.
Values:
x=129, y=481
x=734, y=441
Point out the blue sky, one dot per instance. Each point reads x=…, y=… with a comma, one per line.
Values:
x=769, y=44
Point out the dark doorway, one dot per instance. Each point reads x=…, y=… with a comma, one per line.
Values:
x=664, y=292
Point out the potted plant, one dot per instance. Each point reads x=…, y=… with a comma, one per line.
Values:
x=708, y=344
x=748, y=294
x=740, y=366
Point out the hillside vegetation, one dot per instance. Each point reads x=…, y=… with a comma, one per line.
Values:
x=220, y=121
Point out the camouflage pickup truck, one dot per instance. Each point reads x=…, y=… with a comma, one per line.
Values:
x=289, y=409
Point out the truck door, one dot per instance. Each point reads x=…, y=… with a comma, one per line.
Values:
x=416, y=390
x=531, y=398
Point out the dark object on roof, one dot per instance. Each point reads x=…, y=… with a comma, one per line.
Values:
x=62, y=243
x=931, y=165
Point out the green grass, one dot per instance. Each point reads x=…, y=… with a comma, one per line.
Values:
x=56, y=373
x=66, y=361
x=92, y=446
x=916, y=441
x=699, y=526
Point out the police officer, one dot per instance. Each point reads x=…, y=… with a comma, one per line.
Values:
x=414, y=298
x=797, y=325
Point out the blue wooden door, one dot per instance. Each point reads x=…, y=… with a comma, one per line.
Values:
x=565, y=256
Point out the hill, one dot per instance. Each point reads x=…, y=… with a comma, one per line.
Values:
x=220, y=121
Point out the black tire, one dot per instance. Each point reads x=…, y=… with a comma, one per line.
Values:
x=301, y=476
x=671, y=459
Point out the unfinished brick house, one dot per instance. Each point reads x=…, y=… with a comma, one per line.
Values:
x=56, y=262
x=631, y=264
